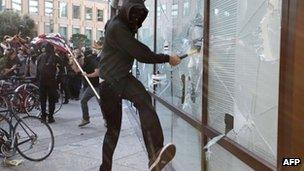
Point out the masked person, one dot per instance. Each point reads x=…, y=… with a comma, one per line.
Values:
x=120, y=48
x=46, y=75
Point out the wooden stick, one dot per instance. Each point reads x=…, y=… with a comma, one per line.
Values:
x=82, y=72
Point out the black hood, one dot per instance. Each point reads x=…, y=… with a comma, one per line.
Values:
x=128, y=8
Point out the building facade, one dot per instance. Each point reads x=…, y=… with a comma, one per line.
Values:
x=66, y=17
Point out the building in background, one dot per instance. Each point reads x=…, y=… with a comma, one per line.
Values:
x=66, y=17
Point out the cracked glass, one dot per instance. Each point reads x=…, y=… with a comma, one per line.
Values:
x=244, y=72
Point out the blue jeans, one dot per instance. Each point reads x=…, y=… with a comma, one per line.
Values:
x=88, y=93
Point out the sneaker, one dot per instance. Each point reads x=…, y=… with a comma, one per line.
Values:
x=164, y=156
x=84, y=122
x=51, y=120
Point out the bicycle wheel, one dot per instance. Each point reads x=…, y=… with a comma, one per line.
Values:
x=6, y=130
x=3, y=108
x=32, y=104
x=59, y=102
x=35, y=139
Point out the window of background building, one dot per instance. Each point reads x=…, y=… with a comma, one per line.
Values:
x=63, y=31
x=47, y=28
x=174, y=10
x=63, y=10
x=2, y=5
x=48, y=7
x=16, y=5
x=88, y=33
x=186, y=10
x=76, y=30
x=33, y=7
x=88, y=13
x=76, y=12
x=99, y=33
x=99, y=15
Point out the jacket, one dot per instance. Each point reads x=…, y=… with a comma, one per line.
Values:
x=121, y=47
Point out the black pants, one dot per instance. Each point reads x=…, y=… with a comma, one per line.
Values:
x=111, y=106
x=48, y=92
x=65, y=87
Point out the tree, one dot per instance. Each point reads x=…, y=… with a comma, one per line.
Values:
x=80, y=40
x=12, y=23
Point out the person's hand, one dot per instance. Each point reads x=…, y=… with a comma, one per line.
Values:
x=85, y=74
x=14, y=67
x=174, y=60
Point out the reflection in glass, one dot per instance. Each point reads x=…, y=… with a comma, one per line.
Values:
x=99, y=34
x=63, y=10
x=2, y=5
x=76, y=30
x=145, y=34
x=244, y=72
x=76, y=12
x=63, y=31
x=220, y=159
x=186, y=138
x=99, y=15
x=48, y=7
x=88, y=33
x=33, y=7
x=88, y=13
x=16, y=5
x=177, y=33
x=47, y=28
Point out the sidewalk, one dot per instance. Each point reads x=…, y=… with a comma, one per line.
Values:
x=79, y=149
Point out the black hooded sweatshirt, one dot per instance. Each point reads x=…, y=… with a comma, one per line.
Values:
x=121, y=48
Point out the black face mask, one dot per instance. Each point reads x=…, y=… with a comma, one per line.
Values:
x=137, y=17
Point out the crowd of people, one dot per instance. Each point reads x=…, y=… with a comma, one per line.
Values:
x=20, y=58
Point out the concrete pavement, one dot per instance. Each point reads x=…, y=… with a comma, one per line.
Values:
x=79, y=149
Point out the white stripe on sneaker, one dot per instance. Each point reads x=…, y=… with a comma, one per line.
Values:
x=156, y=162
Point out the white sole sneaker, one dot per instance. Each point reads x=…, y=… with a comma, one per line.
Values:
x=164, y=157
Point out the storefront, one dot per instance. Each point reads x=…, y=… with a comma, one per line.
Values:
x=243, y=85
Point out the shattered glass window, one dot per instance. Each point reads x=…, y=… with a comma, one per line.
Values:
x=181, y=85
x=221, y=159
x=244, y=72
x=186, y=139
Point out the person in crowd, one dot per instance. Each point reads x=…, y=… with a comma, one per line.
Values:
x=46, y=75
x=120, y=48
x=22, y=56
x=63, y=76
x=11, y=64
x=90, y=67
x=31, y=67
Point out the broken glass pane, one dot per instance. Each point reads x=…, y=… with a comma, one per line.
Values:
x=244, y=72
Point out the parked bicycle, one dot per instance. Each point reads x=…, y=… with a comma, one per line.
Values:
x=27, y=92
x=32, y=138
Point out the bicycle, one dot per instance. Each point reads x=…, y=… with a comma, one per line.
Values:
x=31, y=137
x=28, y=95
